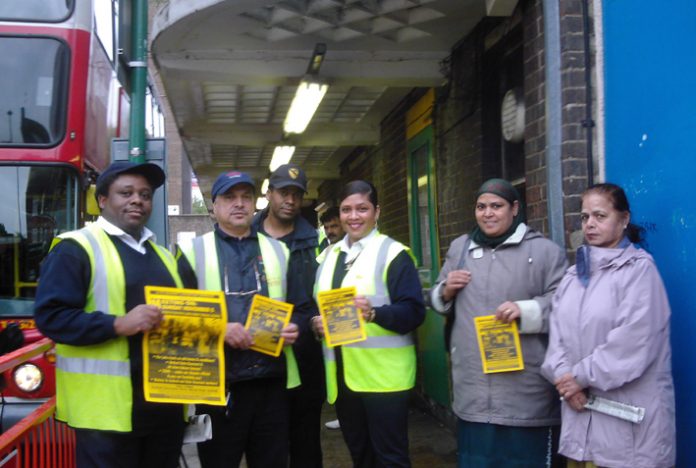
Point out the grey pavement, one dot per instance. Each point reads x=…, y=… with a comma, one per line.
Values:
x=432, y=445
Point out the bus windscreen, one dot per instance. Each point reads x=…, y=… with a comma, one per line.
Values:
x=35, y=10
x=39, y=202
x=33, y=90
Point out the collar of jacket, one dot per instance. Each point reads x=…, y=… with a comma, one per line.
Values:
x=521, y=233
x=305, y=235
x=628, y=255
x=222, y=234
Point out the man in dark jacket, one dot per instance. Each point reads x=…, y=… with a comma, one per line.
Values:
x=254, y=423
x=91, y=302
x=282, y=221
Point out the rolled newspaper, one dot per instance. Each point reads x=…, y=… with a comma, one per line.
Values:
x=634, y=414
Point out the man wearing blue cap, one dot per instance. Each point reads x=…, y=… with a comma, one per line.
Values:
x=242, y=262
x=91, y=302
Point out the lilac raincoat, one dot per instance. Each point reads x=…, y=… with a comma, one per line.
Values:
x=614, y=338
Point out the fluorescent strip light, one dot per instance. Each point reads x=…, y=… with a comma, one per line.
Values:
x=264, y=187
x=281, y=155
x=261, y=203
x=304, y=104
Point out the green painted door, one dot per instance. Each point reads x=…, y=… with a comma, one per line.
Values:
x=433, y=361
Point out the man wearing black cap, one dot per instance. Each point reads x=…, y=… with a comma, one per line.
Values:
x=91, y=302
x=282, y=221
x=242, y=262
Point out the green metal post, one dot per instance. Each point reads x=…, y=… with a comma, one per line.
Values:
x=138, y=65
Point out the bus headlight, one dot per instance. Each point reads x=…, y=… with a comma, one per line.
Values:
x=28, y=377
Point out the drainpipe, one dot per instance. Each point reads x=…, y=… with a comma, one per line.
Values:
x=588, y=123
x=138, y=65
x=554, y=175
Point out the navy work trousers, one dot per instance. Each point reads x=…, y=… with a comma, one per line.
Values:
x=255, y=425
x=305, y=423
x=103, y=449
x=374, y=426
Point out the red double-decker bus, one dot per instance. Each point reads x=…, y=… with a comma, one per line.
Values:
x=63, y=97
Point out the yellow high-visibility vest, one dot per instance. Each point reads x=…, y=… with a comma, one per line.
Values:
x=93, y=383
x=386, y=361
x=202, y=254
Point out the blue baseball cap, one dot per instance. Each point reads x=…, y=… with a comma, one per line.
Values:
x=227, y=180
x=152, y=172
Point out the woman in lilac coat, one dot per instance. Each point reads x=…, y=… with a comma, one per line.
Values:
x=609, y=338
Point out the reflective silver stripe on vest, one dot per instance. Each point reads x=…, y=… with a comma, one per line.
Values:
x=280, y=255
x=381, y=292
x=199, y=253
x=329, y=353
x=93, y=366
x=100, y=289
x=381, y=295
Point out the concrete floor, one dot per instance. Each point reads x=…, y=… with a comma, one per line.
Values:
x=431, y=444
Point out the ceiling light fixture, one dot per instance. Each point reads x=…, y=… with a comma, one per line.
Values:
x=264, y=187
x=281, y=155
x=309, y=94
x=261, y=203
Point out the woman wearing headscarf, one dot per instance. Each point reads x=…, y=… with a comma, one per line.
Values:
x=502, y=268
x=370, y=380
x=610, y=339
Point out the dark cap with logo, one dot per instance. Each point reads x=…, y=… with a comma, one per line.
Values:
x=288, y=175
x=152, y=172
x=227, y=180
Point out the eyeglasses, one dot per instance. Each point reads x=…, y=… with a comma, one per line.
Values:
x=243, y=293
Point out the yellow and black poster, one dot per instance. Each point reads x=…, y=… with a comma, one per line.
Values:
x=266, y=320
x=343, y=322
x=499, y=344
x=183, y=359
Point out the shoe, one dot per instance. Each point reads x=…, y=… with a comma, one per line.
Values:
x=333, y=424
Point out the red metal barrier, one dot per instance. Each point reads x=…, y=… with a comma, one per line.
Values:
x=38, y=440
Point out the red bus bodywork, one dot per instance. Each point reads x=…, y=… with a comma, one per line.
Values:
x=91, y=105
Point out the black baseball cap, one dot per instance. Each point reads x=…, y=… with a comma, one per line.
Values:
x=288, y=175
x=227, y=180
x=152, y=172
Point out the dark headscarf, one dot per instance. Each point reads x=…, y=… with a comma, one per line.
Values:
x=503, y=189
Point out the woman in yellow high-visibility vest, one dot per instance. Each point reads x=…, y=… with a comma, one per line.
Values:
x=369, y=380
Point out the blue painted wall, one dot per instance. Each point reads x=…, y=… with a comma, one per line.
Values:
x=650, y=72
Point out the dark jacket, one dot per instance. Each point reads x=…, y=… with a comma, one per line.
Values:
x=60, y=314
x=303, y=245
x=238, y=257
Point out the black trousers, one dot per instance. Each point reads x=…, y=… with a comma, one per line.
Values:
x=103, y=449
x=305, y=426
x=374, y=426
x=255, y=424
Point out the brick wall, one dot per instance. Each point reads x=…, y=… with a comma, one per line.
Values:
x=392, y=170
x=385, y=165
x=574, y=144
x=535, y=125
x=463, y=161
x=458, y=141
